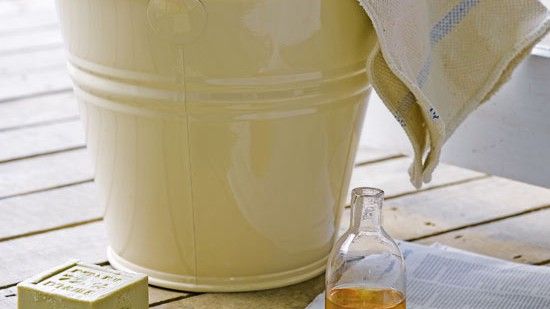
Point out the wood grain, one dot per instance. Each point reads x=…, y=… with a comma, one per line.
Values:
x=369, y=155
x=32, y=213
x=8, y=297
x=38, y=83
x=18, y=42
x=440, y=210
x=26, y=72
x=40, y=140
x=295, y=296
x=392, y=176
x=44, y=172
x=37, y=111
x=24, y=257
x=522, y=239
x=27, y=63
x=160, y=295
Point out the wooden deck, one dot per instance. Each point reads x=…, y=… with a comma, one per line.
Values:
x=49, y=212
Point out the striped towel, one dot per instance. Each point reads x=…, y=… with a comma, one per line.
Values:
x=437, y=61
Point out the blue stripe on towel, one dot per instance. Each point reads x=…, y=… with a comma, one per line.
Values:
x=441, y=30
x=453, y=18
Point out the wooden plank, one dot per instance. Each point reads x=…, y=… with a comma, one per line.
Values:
x=392, y=176
x=23, y=74
x=33, y=61
x=448, y=208
x=24, y=257
x=40, y=140
x=160, y=295
x=42, y=172
x=43, y=82
x=41, y=211
x=24, y=8
x=34, y=20
x=20, y=41
x=521, y=239
x=38, y=110
x=8, y=298
x=368, y=154
x=295, y=296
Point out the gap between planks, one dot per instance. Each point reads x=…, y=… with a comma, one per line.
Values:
x=519, y=239
x=40, y=93
x=56, y=228
x=435, y=187
x=171, y=300
x=38, y=111
x=40, y=124
x=42, y=154
x=489, y=221
x=60, y=186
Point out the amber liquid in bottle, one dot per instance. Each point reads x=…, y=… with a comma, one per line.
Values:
x=361, y=298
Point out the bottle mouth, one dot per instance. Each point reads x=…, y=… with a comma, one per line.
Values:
x=368, y=192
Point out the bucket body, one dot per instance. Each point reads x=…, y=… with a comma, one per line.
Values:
x=223, y=133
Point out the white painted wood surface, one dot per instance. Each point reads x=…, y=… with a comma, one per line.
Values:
x=41, y=140
x=459, y=206
x=522, y=238
x=42, y=211
x=39, y=173
x=28, y=112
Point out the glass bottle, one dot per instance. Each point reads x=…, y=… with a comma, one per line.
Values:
x=366, y=269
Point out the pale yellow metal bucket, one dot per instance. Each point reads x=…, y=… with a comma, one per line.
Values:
x=223, y=132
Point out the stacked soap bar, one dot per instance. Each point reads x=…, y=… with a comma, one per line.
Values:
x=77, y=285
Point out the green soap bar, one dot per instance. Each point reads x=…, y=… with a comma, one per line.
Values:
x=76, y=285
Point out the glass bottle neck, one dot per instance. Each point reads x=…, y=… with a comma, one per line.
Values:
x=366, y=213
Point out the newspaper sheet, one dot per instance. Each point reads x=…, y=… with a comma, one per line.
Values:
x=440, y=277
